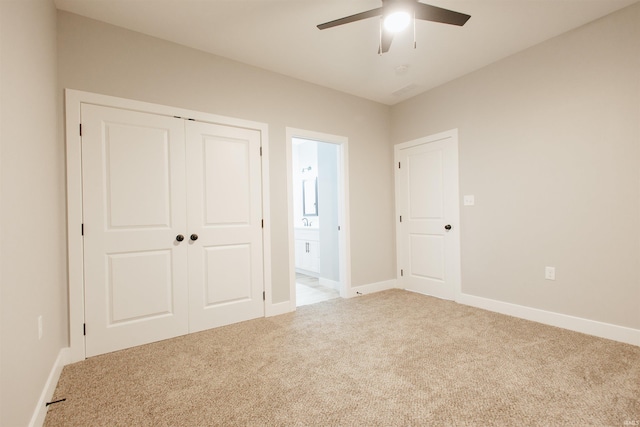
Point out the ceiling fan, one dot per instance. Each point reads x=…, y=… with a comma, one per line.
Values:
x=396, y=16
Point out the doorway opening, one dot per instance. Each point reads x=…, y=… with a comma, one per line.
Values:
x=318, y=220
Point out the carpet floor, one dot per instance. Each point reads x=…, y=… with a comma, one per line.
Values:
x=392, y=358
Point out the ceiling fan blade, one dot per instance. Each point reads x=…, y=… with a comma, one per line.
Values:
x=352, y=18
x=427, y=12
x=385, y=41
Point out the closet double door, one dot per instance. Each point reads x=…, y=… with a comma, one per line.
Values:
x=172, y=227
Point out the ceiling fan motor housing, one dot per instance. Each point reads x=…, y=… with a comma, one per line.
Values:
x=413, y=8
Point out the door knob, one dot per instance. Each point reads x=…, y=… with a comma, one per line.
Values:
x=447, y=227
x=194, y=237
x=179, y=237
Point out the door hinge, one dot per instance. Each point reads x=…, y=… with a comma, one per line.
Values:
x=84, y=329
x=261, y=151
x=80, y=129
x=399, y=167
x=400, y=218
x=264, y=296
x=83, y=229
x=401, y=272
x=262, y=223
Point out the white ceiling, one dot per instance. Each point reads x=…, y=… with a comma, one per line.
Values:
x=281, y=36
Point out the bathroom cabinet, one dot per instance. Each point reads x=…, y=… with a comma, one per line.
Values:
x=307, y=244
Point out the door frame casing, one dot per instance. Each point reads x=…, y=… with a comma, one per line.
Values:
x=344, y=243
x=452, y=136
x=73, y=102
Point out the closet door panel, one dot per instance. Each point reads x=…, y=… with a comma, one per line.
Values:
x=133, y=208
x=224, y=196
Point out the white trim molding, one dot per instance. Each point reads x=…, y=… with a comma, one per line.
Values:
x=357, y=291
x=572, y=323
x=73, y=101
x=278, y=309
x=448, y=139
x=40, y=412
x=343, y=210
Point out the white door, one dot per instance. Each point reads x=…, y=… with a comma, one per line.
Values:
x=172, y=227
x=224, y=218
x=133, y=209
x=428, y=211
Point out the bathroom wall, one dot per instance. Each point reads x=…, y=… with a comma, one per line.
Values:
x=328, y=211
x=304, y=155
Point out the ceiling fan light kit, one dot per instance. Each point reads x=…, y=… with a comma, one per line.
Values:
x=396, y=16
x=397, y=21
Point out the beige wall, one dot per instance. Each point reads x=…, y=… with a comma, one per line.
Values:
x=550, y=147
x=102, y=58
x=32, y=225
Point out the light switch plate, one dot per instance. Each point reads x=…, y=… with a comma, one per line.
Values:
x=469, y=200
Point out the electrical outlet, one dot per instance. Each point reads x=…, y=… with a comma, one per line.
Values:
x=550, y=273
x=40, y=327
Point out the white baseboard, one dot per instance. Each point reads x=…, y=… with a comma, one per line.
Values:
x=577, y=324
x=371, y=288
x=329, y=283
x=64, y=358
x=271, y=310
